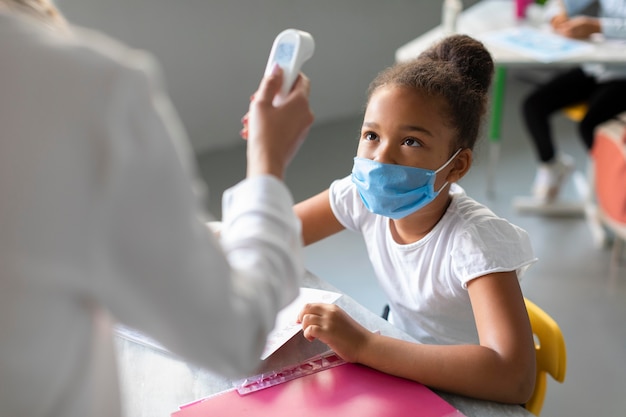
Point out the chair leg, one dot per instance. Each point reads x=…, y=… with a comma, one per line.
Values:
x=617, y=252
x=385, y=314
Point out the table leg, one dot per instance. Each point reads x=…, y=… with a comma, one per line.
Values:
x=495, y=124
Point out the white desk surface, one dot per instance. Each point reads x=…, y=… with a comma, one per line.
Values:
x=155, y=383
x=492, y=15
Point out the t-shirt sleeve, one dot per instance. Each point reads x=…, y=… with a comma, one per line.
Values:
x=490, y=246
x=346, y=203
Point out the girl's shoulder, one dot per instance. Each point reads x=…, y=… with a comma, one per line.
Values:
x=483, y=242
x=467, y=208
x=473, y=217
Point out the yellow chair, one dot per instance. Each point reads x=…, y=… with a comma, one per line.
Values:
x=576, y=112
x=550, y=351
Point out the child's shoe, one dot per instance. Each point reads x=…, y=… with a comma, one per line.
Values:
x=550, y=177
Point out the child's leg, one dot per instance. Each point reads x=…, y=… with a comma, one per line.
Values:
x=565, y=89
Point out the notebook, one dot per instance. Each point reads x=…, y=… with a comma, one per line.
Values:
x=345, y=390
x=286, y=326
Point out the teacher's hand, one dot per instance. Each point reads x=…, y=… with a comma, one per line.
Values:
x=276, y=131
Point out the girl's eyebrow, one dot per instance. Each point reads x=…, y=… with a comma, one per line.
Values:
x=407, y=128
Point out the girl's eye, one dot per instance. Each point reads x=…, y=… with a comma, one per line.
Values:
x=370, y=136
x=411, y=142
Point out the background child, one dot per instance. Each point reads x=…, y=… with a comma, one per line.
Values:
x=601, y=87
x=448, y=265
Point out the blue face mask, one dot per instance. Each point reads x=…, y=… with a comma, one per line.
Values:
x=395, y=191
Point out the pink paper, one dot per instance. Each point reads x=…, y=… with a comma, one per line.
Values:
x=345, y=390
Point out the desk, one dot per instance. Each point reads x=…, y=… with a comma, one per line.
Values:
x=490, y=15
x=154, y=383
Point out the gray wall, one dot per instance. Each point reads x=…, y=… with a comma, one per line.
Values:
x=213, y=52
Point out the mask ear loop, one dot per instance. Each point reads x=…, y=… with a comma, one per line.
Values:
x=445, y=165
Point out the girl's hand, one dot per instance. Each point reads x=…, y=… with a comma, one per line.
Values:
x=333, y=326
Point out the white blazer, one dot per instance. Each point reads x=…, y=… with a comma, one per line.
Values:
x=99, y=223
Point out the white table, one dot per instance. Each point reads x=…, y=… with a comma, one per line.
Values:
x=155, y=383
x=491, y=15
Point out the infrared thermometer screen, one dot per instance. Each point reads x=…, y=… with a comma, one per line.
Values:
x=284, y=53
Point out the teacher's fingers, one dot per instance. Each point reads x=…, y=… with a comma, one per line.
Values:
x=270, y=86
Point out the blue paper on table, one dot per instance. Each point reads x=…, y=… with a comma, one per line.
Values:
x=542, y=45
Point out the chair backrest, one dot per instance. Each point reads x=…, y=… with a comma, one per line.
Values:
x=550, y=351
x=608, y=155
x=576, y=112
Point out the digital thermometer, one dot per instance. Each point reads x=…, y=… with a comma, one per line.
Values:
x=291, y=48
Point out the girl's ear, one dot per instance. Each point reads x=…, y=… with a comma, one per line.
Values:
x=460, y=165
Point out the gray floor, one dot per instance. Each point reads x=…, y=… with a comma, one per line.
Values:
x=573, y=280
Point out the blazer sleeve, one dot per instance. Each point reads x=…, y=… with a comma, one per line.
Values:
x=161, y=270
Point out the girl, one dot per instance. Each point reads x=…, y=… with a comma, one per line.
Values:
x=448, y=265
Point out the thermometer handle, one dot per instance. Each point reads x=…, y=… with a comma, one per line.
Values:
x=291, y=48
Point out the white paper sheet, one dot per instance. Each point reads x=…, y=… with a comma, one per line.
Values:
x=542, y=45
x=286, y=326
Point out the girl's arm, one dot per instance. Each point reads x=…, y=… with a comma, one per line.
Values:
x=579, y=27
x=318, y=220
x=501, y=368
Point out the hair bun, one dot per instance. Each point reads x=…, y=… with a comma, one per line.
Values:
x=467, y=55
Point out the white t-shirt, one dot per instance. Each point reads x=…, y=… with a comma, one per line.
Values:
x=426, y=281
x=99, y=223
